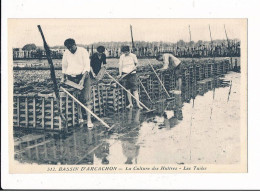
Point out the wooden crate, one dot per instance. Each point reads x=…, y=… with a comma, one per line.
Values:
x=41, y=112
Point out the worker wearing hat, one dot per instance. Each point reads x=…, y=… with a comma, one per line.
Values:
x=76, y=68
x=127, y=65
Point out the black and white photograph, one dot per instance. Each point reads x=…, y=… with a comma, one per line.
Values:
x=128, y=95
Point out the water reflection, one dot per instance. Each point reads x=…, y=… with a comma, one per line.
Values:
x=129, y=142
x=173, y=113
x=83, y=146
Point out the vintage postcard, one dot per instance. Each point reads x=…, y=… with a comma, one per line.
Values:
x=127, y=95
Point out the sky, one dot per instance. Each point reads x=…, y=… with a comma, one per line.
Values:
x=88, y=31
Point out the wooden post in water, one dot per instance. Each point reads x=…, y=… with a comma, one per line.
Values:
x=228, y=46
x=190, y=33
x=212, y=44
x=211, y=41
x=52, y=72
x=133, y=45
x=190, y=46
x=226, y=35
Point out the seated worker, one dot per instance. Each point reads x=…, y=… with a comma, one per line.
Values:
x=97, y=60
x=76, y=68
x=170, y=61
x=127, y=65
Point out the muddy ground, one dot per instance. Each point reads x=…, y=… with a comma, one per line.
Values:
x=203, y=130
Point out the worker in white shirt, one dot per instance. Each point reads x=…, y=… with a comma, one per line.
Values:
x=76, y=68
x=172, y=62
x=127, y=65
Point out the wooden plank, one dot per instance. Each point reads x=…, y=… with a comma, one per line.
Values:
x=73, y=112
x=45, y=149
x=99, y=101
x=122, y=99
x=45, y=152
x=43, y=112
x=29, y=138
x=37, y=152
x=26, y=111
x=29, y=153
x=67, y=108
x=37, y=145
x=114, y=99
x=34, y=112
x=106, y=99
x=74, y=85
x=102, y=99
x=60, y=123
x=61, y=145
x=77, y=110
x=52, y=113
x=18, y=111
x=75, y=144
x=94, y=100
x=54, y=151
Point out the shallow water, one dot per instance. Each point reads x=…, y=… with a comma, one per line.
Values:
x=201, y=126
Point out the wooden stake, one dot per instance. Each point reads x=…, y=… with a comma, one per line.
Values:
x=52, y=71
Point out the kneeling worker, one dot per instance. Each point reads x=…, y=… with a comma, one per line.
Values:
x=127, y=65
x=76, y=68
x=172, y=62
